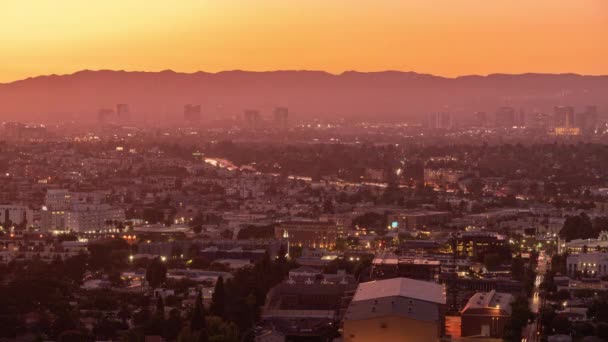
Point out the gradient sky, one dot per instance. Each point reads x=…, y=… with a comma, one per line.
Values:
x=443, y=37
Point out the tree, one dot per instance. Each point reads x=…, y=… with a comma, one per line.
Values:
x=492, y=260
x=520, y=315
x=517, y=268
x=577, y=227
x=197, y=323
x=475, y=187
x=226, y=234
x=156, y=274
x=173, y=325
x=160, y=306
x=218, y=299
x=602, y=330
x=340, y=244
x=328, y=206
x=561, y=325
x=197, y=229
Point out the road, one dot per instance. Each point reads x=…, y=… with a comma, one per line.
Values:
x=532, y=332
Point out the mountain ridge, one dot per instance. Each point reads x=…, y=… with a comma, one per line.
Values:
x=390, y=94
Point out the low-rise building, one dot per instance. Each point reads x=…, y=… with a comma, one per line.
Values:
x=593, y=264
x=398, y=309
x=486, y=314
x=313, y=234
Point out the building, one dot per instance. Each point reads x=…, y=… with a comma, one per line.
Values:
x=481, y=119
x=52, y=220
x=92, y=217
x=252, y=119
x=584, y=245
x=57, y=199
x=505, y=117
x=192, y=113
x=375, y=174
x=18, y=131
x=443, y=176
x=123, y=112
x=541, y=120
x=303, y=306
x=520, y=120
x=311, y=234
x=392, y=266
x=587, y=120
x=440, y=120
x=398, y=309
x=106, y=115
x=592, y=265
x=486, y=314
x=15, y=215
x=563, y=116
x=567, y=131
x=478, y=244
x=418, y=219
x=281, y=114
x=413, y=172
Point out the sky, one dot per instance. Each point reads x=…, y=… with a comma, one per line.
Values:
x=442, y=37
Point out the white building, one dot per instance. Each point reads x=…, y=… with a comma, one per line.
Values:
x=57, y=199
x=589, y=264
x=92, y=217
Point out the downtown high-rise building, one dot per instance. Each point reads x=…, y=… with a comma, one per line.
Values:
x=505, y=117
x=192, y=113
x=123, y=112
x=440, y=120
x=563, y=116
x=281, y=115
x=252, y=119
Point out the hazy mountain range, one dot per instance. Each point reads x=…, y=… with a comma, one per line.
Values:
x=389, y=95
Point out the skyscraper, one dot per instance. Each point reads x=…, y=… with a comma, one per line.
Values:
x=192, y=113
x=106, y=115
x=122, y=112
x=587, y=120
x=505, y=117
x=563, y=116
x=481, y=119
x=252, y=118
x=440, y=120
x=281, y=115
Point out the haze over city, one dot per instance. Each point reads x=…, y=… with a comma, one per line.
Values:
x=286, y=171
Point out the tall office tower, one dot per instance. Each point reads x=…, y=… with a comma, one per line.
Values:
x=541, y=120
x=563, y=116
x=587, y=120
x=122, y=112
x=505, y=117
x=192, y=113
x=252, y=118
x=106, y=115
x=481, y=119
x=521, y=118
x=12, y=130
x=440, y=120
x=281, y=115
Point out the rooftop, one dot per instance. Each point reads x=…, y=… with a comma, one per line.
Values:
x=401, y=287
x=490, y=300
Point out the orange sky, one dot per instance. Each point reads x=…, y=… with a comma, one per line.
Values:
x=444, y=37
